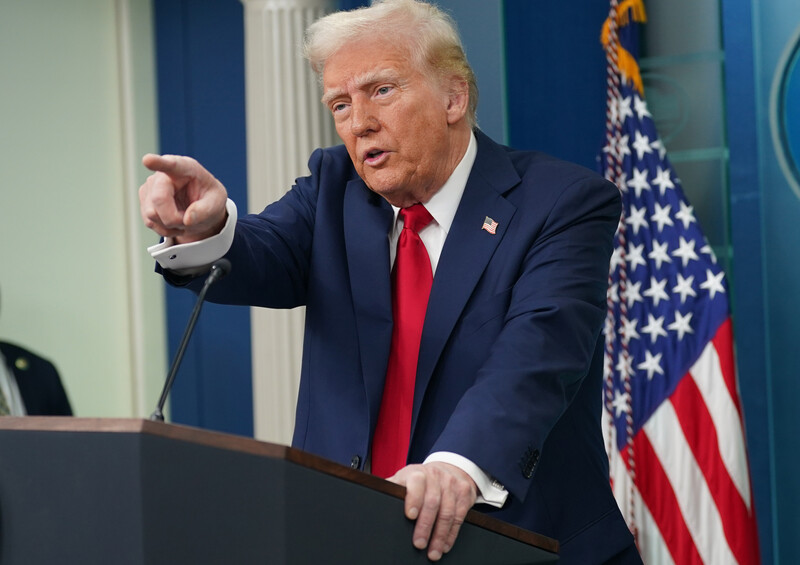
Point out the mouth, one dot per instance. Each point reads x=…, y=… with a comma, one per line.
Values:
x=374, y=157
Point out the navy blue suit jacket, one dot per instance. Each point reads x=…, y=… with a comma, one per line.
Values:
x=510, y=363
x=38, y=382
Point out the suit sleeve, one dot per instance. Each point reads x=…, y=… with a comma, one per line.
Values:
x=270, y=250
x=547, y=342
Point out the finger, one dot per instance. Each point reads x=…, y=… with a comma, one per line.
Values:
x=445, y=520
x=176, y=166
x=414, y=481
x=157, y=203
x=152, y=221
x=463, y=505
x=427, y=514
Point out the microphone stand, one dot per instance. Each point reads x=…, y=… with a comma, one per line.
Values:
x=218, y=270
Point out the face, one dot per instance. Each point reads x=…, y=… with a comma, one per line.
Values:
x=403, y=130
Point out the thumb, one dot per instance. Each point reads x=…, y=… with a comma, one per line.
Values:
x=206, y=212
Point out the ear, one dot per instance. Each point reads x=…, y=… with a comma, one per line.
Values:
x=458, y=100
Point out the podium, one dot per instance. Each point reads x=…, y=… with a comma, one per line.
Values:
x=135, y=492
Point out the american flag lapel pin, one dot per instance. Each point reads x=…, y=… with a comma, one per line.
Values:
x=489, y=225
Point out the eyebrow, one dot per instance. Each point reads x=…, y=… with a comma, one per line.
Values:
x=358, y=82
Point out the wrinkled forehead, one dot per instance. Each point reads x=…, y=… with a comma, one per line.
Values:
x=365, y=62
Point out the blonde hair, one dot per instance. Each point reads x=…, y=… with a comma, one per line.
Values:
x=431, y=35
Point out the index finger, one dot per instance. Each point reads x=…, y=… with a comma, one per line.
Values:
x=175, y=166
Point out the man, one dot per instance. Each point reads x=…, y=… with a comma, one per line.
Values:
x=506, y=260
x=30, y=384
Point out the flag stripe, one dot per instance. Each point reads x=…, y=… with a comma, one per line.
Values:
x=653, y=549
x=691, y=491
x=727, y=424
x=657, y=494
x=701, y=435
x=649, y=540
x=723, y=343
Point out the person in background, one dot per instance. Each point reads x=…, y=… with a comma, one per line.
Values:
x=455, y=289
x=30, y=384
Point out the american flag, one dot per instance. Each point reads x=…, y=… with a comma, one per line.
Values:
x=489, y=225
x=673, y=419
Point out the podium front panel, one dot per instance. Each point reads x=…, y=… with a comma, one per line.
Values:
x=133, y=496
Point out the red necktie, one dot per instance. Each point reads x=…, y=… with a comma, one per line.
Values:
x=411, y=285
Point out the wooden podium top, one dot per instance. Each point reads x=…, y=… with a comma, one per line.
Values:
x=254, y=447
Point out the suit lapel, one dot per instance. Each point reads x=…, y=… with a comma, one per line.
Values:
x=466, y=253
x=367, y=221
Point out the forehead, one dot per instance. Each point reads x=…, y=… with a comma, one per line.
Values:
x=362, y=62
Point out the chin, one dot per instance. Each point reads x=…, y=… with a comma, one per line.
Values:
x=381, y=187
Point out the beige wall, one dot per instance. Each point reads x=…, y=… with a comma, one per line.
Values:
x=77, y=110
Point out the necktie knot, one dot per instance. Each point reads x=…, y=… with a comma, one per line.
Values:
x=415, y=217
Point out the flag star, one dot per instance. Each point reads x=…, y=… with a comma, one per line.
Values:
x=681, y=324
x=662, y=217
x=710, y=252
x=685, y=251
x=656, y=290
x=624, y=365
x=616, y=259
x=625, y=109
x=608, y=329
x=684, y=287
x=632, y=294
x=634, y=256
x=663, y=180
x=613, y=294
x=654, y=327
x=713, y=283
x=636, y=219
x=686, y=214
x=623, y=147
x=652, y=364
x=611, y=141
x=620, y=403
x=613, y=112
x=642, y=145
x=640, y=107
x=628, y=330
x=639, y=182
x=622, y=181
x=660, y=147
x=660, y=253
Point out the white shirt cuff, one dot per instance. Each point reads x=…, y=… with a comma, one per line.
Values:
x=194, y=258
x=490, y=491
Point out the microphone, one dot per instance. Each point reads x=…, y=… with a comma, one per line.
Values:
x=219, y=269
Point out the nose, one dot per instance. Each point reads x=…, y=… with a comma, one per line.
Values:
x=363, y=119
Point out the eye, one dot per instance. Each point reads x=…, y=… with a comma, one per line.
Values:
x=383, y=90
x=338, y=107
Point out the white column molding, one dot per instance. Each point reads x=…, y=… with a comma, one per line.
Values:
x=285, y=123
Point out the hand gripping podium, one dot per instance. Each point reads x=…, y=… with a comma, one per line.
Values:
x=136, y=492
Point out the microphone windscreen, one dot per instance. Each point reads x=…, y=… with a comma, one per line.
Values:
x=221, y=267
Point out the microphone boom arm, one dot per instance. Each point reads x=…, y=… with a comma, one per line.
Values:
x=218, y=270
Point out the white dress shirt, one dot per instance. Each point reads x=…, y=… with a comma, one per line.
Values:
x=194, y=258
